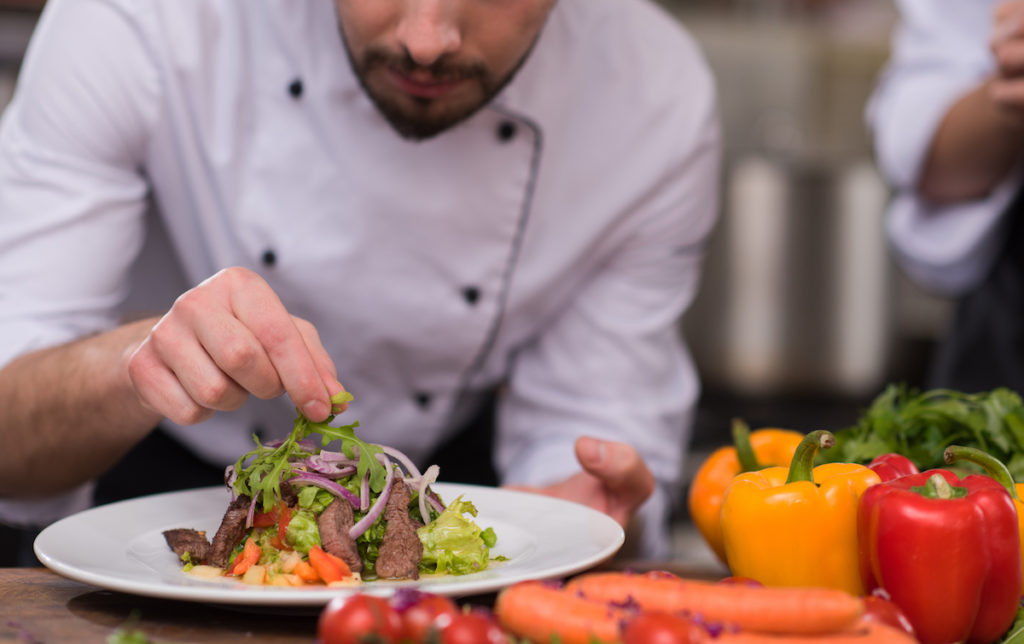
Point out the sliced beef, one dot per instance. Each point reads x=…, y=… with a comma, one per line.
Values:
x=230, y=532
x=401, y=550
x=289, y=494
x=334, y=523
x=187, y=540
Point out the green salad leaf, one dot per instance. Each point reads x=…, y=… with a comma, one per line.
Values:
x=453, y=543
x=268, y=467
x=921, y=424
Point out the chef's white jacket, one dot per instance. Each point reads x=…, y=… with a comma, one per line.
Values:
x=940, y=51
x=549, y=243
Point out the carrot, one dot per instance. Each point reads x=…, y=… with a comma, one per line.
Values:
x=327, y=566
x=538, y=611
x=306, y=572
x=250, y=555
x=865, y=632
x=805, y=611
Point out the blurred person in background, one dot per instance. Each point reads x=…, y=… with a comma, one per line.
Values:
x=948, y=123
x=447, y=206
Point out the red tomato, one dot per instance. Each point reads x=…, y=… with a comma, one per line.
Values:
x=470, y=628
x=419, y=618
x=880, y=609
x=662, y=628
x=357, y=619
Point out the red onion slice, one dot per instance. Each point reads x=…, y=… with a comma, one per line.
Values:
x=364, y=492
x=429, y=476
x=406, y=462
x=310, y=478
x=378, y=506
x=330, y=468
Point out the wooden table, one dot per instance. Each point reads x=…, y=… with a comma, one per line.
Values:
x=38, y=606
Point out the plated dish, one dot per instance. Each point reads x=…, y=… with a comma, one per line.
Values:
x=121, y=547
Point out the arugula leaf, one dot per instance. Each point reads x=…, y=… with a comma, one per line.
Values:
x=269, y=467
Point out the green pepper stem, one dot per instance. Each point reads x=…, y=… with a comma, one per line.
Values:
x=993, y=466
x=937, y=487
x=744, y=450
x=801, y=468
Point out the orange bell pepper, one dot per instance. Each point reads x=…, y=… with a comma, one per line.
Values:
x=797, y=526
x=750, y=451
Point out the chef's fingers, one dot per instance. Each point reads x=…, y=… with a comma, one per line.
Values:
x=238, y=353
x=328, y=371
x=620, y=469
x=257, y=306
x=1007, y=21
x=158, y=388
x=179, y=349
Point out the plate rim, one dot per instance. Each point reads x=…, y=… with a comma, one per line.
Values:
x=275, y=596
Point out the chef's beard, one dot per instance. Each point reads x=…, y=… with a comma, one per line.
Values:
x=426, y=118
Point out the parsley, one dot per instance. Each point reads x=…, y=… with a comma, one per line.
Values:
x=921, y=424
x=268, y=467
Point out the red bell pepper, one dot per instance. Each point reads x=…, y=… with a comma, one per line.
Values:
x=892, y=466
x=946, y=551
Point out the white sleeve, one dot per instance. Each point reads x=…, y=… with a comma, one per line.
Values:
x=940, y=51
x=72, y=192
x=613, y=364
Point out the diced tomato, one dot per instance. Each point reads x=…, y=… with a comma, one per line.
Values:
x=284, y=518
x=306, y=572
x=250, y=555
x=329, y=567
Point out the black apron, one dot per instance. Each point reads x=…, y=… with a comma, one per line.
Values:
x=984, y=347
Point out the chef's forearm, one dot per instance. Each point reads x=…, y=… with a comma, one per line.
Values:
x=68, y=413
x=974, y=148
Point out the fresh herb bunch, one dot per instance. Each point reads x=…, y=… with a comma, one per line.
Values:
x=270, y=466
x=921, y=424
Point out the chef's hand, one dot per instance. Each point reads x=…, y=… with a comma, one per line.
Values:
x=225, y=339
x=614, y=480
x=1007, y=43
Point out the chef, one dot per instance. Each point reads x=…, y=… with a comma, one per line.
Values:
x=214, y=213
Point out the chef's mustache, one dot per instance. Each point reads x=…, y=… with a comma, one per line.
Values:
x=444, y=69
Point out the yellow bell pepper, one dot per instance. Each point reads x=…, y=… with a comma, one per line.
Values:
x=784, y=528
x=750, y=451
x=996, y=469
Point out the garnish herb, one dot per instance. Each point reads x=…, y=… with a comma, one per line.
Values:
x=921, y=424
x=268, y=467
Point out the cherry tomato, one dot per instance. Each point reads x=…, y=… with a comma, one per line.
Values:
x=357, y=619
x=879, y=608
x=470, y=628
x=420, y=617
x=662, y=628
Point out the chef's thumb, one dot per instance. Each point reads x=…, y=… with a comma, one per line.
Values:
x=618, y=466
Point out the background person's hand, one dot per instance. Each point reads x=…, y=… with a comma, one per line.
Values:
x=1007, y=43
x=225, y=339
x=614, y=480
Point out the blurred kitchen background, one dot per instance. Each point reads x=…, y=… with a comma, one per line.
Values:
x=802, y=317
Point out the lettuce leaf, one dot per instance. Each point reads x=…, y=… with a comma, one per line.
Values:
x=453, y=543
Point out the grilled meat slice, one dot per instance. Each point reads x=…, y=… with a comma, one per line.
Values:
x=334, y=523
x=230, y=532
x=187, y=540
x=401, y=549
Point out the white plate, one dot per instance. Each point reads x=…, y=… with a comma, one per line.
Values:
x=121, y=547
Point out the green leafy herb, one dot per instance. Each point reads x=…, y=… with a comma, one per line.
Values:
x=268, y=467
x=921, y=424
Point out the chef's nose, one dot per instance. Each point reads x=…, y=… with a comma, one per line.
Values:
x=428, y=29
